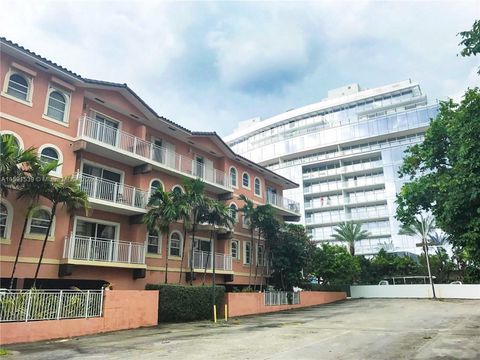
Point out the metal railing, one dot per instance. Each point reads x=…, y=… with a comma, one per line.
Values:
x=111, y=191
x=283, y=202
x=202, y=259
x=30, y=305
x=282, y=298
x=343, y=169
x=111, y=136
x=106, y=250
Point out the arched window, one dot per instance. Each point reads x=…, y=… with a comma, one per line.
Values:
x=154, y=242
x=3, y=221
x=234, y=250
x=233, y=177
x=257, y=187
x=56, y=106
x=233, y=210
x=175, y=244
x=39, y=221
x=18, y=86
x=154, y=185
x=17, y=140
x=246, y=180
x=48, y=154
x=177, y=189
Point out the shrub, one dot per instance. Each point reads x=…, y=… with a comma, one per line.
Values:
x=180, y=303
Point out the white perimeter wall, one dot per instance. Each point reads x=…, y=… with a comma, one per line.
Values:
x=445, y=291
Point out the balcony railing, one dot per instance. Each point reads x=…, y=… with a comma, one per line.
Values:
x=111, y=191
x=202, y=259
x=341, y=185
x=282, y=202
x=79, y=247
x=343, y=170
x=113, y=137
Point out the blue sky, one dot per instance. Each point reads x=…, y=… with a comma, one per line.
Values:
x=209, y=65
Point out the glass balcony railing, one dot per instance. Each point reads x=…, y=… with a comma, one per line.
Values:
x=282, y=202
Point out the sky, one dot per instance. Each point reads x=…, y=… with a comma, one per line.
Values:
x=209, y=65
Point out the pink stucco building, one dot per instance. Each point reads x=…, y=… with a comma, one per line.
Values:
x=120, y=149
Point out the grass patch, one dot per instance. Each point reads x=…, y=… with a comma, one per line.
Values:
x=3, y=352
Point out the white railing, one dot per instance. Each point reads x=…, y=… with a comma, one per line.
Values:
x=282, y=202
x=282, y=298
x=110, y=136
x=29, y=305
x=105, y=250
x=111, y=191
x=202, y=259
x=343, y=170
x=340, y=185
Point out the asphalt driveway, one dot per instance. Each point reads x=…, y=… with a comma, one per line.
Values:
x=353, y=329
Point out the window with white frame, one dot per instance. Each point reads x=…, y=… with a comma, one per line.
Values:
x=154, y=242
x=233, y=211
x=39, y=221
x=233, y=177
x=246, y=180
x=4, y=221
x=177, y=189
x=49, y=154
x=154, y=185
x=245, y=222
x=234, y=251
x=175, y=244
x=19, y=86
x=57, y=105
x=260, y=255
x=247, y=252
x=257, y=187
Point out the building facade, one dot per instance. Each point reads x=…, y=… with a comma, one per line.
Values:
x=345, y=152
x=120, y=150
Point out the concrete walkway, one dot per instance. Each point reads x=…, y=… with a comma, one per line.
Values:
x=354, y=329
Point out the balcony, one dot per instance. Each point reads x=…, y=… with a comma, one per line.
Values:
x=112, y=196
x=347, y=169
x=338, y=217
x=83, y=250
x=223, y=263
x=121, y=146
x=284, y=206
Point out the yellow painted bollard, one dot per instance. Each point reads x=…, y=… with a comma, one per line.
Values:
x=215, y=313
x=226, y=312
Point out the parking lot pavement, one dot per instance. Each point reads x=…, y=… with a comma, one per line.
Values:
x=353, y=329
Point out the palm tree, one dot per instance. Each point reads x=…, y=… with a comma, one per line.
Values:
x=67, y=192
x=13, y=163
x=184, y=211
x=350, y=232
x=439, y=239
x=248, y=211
x=31, y=187
x=218, y=216
x=265, y=220
x=163, y=211
x=421, y=227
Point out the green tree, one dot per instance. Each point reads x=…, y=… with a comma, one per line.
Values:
x=441, y=265
x=334, y=265
x=471, y=41
x=350, y=232
x=162, y=212
x=423, y=228
x=14, y=162
x=291, y=251
x=67, y=192
x=248, y=210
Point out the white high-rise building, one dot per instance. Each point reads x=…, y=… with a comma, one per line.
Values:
x=345, y=152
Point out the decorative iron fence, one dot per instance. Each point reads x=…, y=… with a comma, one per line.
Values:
x=282, y=298
x=31, y=305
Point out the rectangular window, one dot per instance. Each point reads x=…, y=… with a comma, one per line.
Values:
x=234, y=250
x=154, y=241
x=175, y=244
x=247, y=252
x=260, y=255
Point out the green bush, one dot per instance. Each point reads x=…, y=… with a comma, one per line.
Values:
x=180, y=303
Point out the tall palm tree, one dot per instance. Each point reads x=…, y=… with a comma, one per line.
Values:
x=350, y=232
x=218, y=216
x=196, y=202
x=13, y=163
x=439, y=239
x=248, y=210
x=32, y=186
x=265, y=219
x=163, y=211
x=184, y=211
x=67, y=192
x=423, y=228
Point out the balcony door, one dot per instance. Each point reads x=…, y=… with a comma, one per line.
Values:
x=104, y=129
x=271, y=195
x=98, y=240
x=101, y=183
x=202, y=254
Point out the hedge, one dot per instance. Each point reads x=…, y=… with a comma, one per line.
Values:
x=179, y=303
